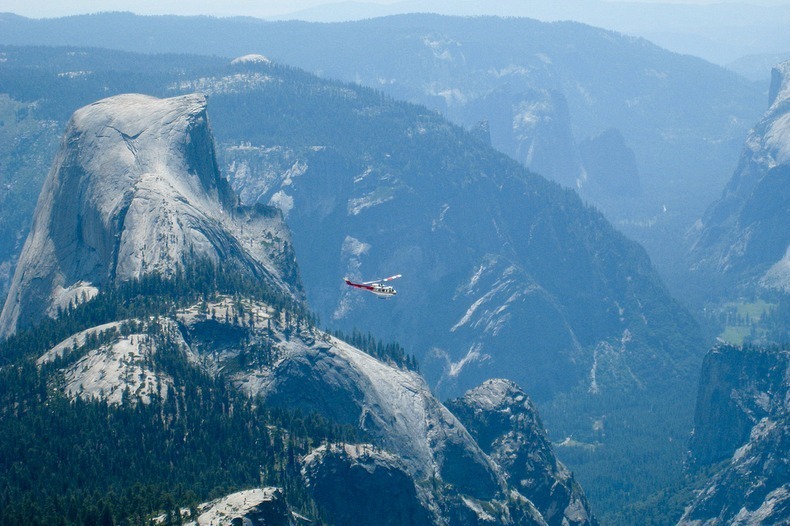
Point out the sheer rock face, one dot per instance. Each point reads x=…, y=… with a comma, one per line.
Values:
x=610, y=165
x=737, y=389
x=392, y=406
x=745, y=236
x=359, y=484
x=506, y=425
x=438, y=472
x=741, y=424
x=135, y=189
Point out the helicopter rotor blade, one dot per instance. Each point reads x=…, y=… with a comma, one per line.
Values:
x=373, y=282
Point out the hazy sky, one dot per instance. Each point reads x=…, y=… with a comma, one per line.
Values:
x=257, y=8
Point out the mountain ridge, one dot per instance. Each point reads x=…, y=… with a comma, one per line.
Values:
x=540, y=91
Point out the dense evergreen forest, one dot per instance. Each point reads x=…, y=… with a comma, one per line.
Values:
x=76, y=461
x=391, y=353
x=83, y=462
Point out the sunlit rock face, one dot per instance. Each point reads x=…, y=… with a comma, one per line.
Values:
x=135, y=189
x=744, y=238
x=253, y=507
x=433, y=470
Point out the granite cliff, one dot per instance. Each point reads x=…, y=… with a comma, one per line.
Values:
x=744, y=238
x=135, y=189
x=741, y=433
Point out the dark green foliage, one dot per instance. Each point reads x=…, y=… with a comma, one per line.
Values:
x=60, y=80
x=664, y=507
x=59, y=459
x=81, y=462
x=777, y=322
x=87, y=462
x=655, y=441
x=391, y=353
x=149, y=295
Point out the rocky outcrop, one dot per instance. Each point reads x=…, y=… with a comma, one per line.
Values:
x=610, y=165
x=506, y=424
x=135, y=189
x=745, y=237
x=534, y=126
x=114, y=364
x=738, y=388
x=742, y=426
x=359, y=484
x=254, y=507
x=421, y=463
x=394, y=407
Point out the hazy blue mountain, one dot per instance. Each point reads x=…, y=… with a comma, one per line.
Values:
x=542, y=87
x=718, y=32
x=490, y=250
x=743, y=240
x=610, y=164
x=757, y=68
x=505, y=273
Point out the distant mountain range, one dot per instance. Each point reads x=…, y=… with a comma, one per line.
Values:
x=720, y=32
x=541, y=89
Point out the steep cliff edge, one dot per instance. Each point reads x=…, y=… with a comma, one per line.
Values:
x=506, y=424
x=744, y=238
x=742, y=428
x=135, y=189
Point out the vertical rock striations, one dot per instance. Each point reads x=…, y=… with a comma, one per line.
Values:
x=745, y=237
x=742, y=428
x=135, y=189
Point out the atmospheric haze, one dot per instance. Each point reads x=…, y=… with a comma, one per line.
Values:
x=720, y=31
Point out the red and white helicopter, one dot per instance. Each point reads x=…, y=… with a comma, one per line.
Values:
x=377, y=286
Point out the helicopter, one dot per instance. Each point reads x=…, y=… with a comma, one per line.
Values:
x=377, y=286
